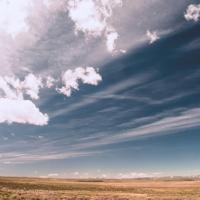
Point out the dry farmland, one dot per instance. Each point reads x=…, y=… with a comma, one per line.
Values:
x=160, y=189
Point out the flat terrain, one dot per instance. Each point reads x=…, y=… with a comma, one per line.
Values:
x=160, y=189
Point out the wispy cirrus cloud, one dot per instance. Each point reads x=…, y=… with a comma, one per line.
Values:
x=180, y=120
x=110, y=90
x=17, y=157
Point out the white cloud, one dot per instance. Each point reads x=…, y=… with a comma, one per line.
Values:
x=71, y=79
x=50, y=81
x=152, y=36
x=53, y=175
x=122, y=51
x=91, y=17
x=47, y=3
x=6, y=90
x=13, y=88
x=32, y=85
x=13, y=14
x=193, y=12
x=111, y=38
x=132, y=175
x=21, y=111
x=13, y=106
x=86, y=16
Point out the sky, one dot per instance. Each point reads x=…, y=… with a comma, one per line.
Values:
x=99, y=88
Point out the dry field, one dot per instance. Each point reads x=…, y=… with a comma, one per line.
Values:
x=162, y=189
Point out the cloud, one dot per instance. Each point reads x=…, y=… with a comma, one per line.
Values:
x=111, y=37
x=152, y=36
x=87, y=17
x=71, y=79
x=13, y=88
x=32, y=85
x=122, y=51
x=91, y=17
x=14, y=91
x=13, y=14
x=116, y=88
x=53, y=175
x=183, y=120
x=193, y=12
x=175, y=121
x=6, y=90
x=130, y=175
x=50, y=82
x=21, y=111
x=13, y=106
x=14, y=157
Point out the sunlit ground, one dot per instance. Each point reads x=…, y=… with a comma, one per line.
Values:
x=160, y=189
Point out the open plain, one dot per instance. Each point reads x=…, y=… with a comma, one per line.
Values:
x=61, y=189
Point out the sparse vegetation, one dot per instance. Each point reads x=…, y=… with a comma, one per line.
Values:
x=60, y=189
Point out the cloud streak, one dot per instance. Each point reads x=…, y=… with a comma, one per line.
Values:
x=181, y=120
x=17, y=158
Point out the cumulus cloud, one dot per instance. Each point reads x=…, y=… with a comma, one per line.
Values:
x=91, y=17
x=14, y=88
x=21, y=111
x=13, y=93
x=152, y=36
x=86, y=16
x=111, y=38
x=32, y=85
x=50, y=82
x=6, y=90
x=13, y=106
x=193, y=12
x=71, y=79
x=13, y=14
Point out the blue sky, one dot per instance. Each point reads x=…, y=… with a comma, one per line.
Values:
x=83, y=98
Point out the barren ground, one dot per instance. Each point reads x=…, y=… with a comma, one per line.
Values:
x=160, y=189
